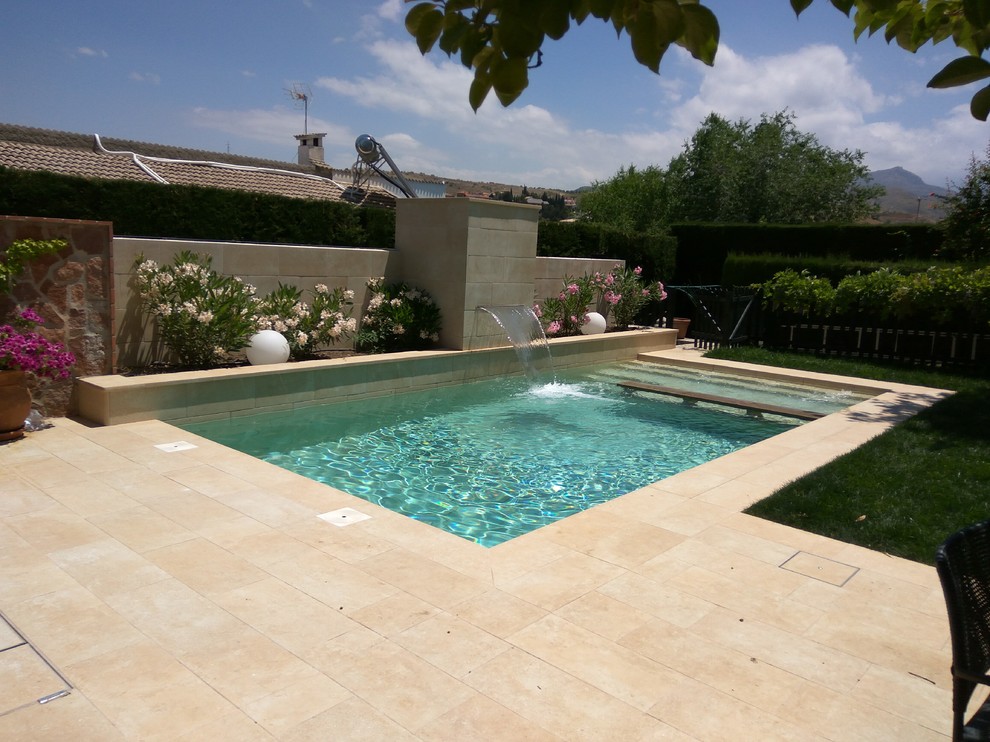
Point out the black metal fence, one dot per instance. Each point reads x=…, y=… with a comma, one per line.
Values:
x=900, y=344
x=734, y=315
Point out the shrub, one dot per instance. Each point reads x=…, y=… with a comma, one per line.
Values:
x=869, y=293
x=951, y=297
x=800, y=293
x=398, y=318
x=567, y=312
x=307, y=326
x=622, y=291
x=619, y=293
x=201, y=314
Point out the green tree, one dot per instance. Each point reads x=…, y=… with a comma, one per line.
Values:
x=633, y=200
x=501, y=40
x=967, y=223
x=768, y=172
x=738, y=172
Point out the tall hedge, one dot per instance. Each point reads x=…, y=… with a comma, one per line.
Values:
x=655, y=254
x=743, y=270
x=140, y=209
x=703, y=248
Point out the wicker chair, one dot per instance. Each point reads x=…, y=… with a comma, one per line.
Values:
x=963, y=564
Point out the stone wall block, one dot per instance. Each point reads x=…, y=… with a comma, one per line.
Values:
x=72, y=292
x=69, y=273
x=96, y=277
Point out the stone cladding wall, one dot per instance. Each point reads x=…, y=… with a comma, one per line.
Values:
x=73, y=292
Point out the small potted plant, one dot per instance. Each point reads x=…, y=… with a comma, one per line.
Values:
x=24, y=350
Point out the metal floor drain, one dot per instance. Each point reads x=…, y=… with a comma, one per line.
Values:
x=26, y=676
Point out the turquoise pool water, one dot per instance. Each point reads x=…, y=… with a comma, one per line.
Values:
x=489, y=461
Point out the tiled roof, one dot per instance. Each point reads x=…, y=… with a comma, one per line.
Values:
x=22, y=156
x=89, y=156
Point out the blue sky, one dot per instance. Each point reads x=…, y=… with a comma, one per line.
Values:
x=215, y=76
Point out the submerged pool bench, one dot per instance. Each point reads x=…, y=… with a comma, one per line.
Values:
x=740, y=404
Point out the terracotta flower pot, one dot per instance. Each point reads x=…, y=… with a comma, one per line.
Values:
x=681, y=325
x=15, y=404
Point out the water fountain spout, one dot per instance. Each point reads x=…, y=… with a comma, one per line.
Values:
x=525, y=332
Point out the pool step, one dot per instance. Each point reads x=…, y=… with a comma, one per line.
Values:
x=740, y=404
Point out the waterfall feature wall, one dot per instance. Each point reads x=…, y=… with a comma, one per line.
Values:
x=525, y=332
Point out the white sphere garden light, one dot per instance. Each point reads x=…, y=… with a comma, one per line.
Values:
x=267, y=347
x=595, y=324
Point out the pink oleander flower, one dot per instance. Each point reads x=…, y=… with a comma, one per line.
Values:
x=561, y=296
x=637, y=270
x=612, y=298
x=537, y=310
x=553, y=328
x=574, y=319
x=24, y=349
x=572, y=289
x=609, y=279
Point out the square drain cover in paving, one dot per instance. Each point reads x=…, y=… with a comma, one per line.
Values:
x=344, y=517
x=826, y=570
x=176, y=446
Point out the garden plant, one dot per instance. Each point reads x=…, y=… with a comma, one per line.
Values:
x=618, y=295
x=22, y=346
x=398, y=318
x=202, y=315
x=949, y=297
x=307, y=326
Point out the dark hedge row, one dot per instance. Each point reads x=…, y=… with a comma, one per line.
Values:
x=702, y=249
x=655, y=254
x=744, y=270
x=154, y=210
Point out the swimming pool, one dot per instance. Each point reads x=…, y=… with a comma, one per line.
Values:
x=489, y=461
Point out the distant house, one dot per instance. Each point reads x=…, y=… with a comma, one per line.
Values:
x=93, y=156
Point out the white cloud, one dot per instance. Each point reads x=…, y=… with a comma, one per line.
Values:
x=830, y=98
x=391, y=10
x=148, y=77
x=86, y=51
x=274, y=126
x=419, y=110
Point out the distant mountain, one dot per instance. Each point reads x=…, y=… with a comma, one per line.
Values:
x=908, y=197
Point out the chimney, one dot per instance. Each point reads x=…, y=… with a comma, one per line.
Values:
x=310, y=148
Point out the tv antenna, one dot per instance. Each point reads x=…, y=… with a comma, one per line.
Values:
x=301, y=95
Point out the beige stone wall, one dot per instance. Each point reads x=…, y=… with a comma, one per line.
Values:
x=468, y=253
x=72, y=291
x=263, y=266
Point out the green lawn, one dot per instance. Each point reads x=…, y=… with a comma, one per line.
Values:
x=915, y=484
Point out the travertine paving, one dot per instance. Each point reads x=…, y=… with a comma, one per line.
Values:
x=194, y=593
